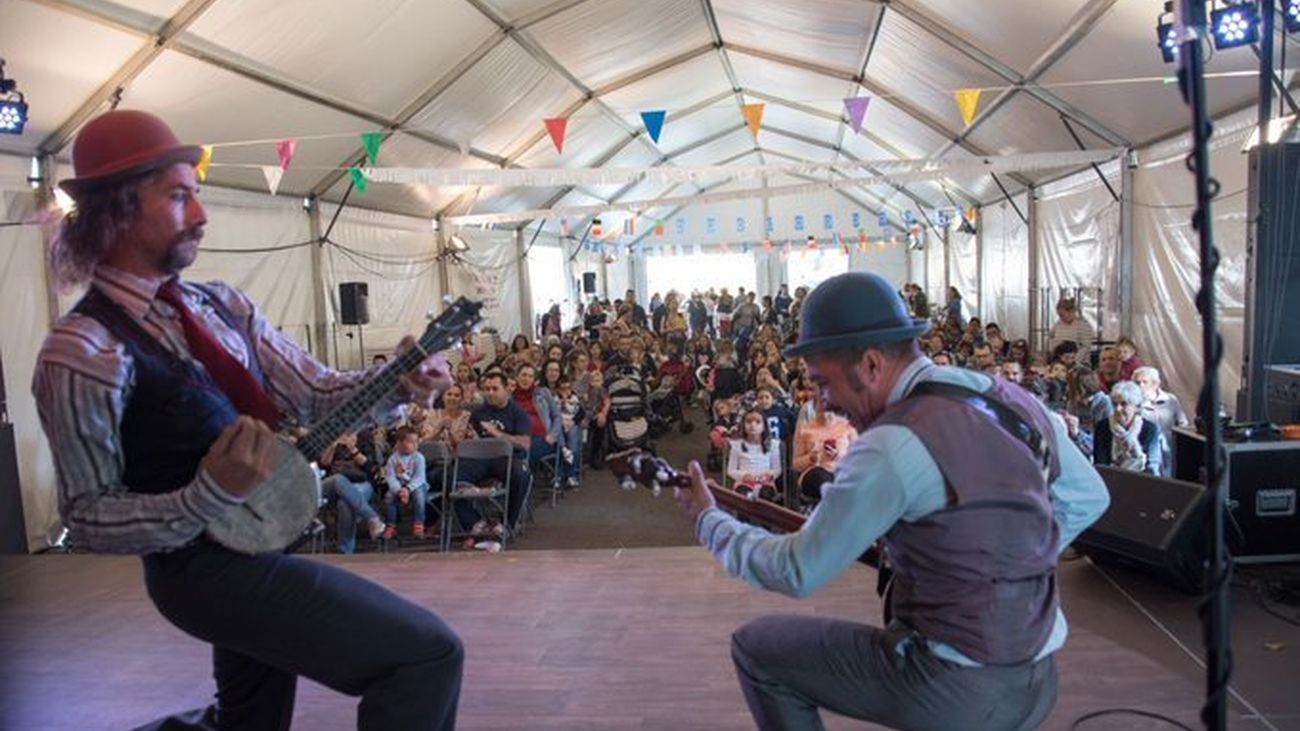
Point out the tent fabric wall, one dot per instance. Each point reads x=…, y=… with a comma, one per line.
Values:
x=1079, y=244
x=396, y=257
x=280, y=282
x=489, y=271
x=1167, y=261
x=22, y=279
x=963, y=270
x=1005, y=299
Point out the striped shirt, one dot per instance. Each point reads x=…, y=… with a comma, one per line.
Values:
x=83, y=382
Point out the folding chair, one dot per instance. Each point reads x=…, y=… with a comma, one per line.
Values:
x=437, y=454
x=493, y=490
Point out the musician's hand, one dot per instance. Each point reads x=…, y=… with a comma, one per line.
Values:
x=242, y=456
x=429, y=379
x=697, y=498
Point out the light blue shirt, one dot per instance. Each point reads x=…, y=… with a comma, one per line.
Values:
x=887, y=475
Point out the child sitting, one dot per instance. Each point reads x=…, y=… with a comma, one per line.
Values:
x=405, y=475
x=571, y=420
x=596, y=414
x=755, y=460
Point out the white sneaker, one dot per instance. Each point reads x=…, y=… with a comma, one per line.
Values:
x=489, y=546
x=572, y=483
x=479, y=528
x=376, y=527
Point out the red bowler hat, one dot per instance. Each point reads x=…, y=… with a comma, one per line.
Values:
x=123, y=143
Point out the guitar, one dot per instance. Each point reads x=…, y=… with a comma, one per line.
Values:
x=636, y=466
x=279, y=511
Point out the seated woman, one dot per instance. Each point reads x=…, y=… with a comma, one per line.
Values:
x=348, y=482
x=819, y=443
x=755, y=460
x=1127, y=440
x=467, y=380
x=449, y=424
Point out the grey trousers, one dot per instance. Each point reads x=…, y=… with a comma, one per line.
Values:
x=790, y=666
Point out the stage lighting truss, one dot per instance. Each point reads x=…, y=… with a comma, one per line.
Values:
x=1235, y=25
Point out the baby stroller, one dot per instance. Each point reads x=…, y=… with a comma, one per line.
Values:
x=629, y=414
x=668, y=407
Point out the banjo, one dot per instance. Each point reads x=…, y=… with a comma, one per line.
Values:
x=280, y=510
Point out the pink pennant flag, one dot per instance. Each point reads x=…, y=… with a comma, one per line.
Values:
x=856, y=106
x=556, y=127
x=285, y=149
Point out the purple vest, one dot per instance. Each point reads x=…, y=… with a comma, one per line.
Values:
x=979, y=574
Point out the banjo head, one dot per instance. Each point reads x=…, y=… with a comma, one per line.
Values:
x=277, y=512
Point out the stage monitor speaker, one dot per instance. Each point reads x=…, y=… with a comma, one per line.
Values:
x=1153, y=524
x=354, y=306
x=13, y=528
x=588, y=282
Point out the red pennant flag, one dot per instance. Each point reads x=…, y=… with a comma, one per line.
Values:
x=556, y=127
x=659, y=227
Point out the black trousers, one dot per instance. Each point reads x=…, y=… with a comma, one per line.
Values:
x=272, y=617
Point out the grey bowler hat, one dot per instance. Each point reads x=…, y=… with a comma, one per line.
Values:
x=852, y=310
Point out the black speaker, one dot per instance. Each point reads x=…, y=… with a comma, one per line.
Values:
x=588, y=282
x=1263, y=484
x=13, y=528
x=354, y=306
x=1154, y=524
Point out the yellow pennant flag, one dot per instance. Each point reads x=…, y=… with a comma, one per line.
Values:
x=968, y=100
x=205, y=160
x=754, y=118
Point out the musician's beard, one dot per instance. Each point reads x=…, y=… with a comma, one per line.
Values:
x=184, y=251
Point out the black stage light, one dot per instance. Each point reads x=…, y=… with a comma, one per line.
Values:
x=1291, y=16
x=13, y=108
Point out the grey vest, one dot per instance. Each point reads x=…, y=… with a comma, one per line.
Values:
x=979, y=574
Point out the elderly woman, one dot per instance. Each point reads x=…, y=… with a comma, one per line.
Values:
x=1125, y=439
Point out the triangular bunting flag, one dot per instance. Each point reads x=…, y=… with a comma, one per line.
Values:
x=754, y=117
x=654, y=123
x=968, y=100
x=556, y=127
x=358, y=179
x=285, y=149
x=205, y=159
x=659, y=227
x=856, y=106
x=371, y=141
x=273, y=175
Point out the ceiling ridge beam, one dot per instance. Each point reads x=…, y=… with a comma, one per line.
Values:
x=1005, y=72
x=159, y=41
x=422, y=100
x=715, y=32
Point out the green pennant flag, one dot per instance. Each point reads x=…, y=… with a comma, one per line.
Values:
x=358, y=179
x=371, y=141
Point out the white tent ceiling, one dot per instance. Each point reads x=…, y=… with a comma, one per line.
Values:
x=467, y=83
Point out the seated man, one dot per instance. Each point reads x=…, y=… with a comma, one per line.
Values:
x=498, y=417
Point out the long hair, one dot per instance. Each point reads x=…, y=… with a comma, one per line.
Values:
x=766, y=438
x=85, y=234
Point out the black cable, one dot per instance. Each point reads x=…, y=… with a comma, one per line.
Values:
x=6, y=224
x=1130, y=712
x=263, y=250
x=1214, y=608
x=334, y=219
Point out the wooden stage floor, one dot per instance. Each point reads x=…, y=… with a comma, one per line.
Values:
x=571, y=640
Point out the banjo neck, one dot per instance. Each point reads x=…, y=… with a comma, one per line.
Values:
x=460, y=317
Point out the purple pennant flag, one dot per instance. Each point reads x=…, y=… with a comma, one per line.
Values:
x=856, y=106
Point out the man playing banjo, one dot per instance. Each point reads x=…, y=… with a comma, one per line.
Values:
x=159, y=398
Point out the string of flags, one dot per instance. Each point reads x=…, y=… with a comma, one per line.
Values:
x=855, y=111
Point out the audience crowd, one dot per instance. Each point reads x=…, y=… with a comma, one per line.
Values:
x=625, y=373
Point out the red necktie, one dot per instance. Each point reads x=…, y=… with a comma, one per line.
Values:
x=234, y=380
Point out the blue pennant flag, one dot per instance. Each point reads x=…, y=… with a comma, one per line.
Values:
x=654, y=123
